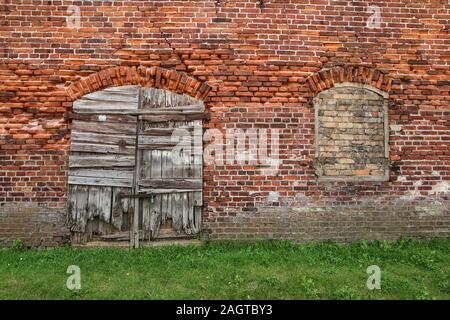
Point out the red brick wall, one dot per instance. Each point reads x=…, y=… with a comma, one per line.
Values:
x=265, y=61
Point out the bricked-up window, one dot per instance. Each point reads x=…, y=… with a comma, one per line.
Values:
x=352, y=134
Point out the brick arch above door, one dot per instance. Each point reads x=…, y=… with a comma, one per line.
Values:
x=155, y=77
x=327, y=78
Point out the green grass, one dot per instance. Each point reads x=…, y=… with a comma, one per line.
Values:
x=232, y=270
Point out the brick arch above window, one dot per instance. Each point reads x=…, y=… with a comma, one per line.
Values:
x=155, y=77
x=328, y=78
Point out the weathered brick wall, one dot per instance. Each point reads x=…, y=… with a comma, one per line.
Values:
x=266, y=61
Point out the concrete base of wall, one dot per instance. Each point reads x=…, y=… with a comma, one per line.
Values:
x=46, y=227
x=35, y=226
x=342, y=224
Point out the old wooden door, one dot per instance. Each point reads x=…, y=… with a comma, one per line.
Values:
x=120, y=192
x=169, y=164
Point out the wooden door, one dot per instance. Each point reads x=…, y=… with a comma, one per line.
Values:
x=109, y=177
x=169, y=164
x=102, y=162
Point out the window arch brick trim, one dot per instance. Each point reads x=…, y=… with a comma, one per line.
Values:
x=155, y=77
x=327, y=78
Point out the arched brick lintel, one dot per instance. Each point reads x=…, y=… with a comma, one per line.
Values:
x=155, y=77
x=327, y=78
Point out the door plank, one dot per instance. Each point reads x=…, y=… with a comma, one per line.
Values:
x=105, y=203
x=94, y=161
x=111, y=173
x=177, y=212
x=82, y=207
x=175, y=117
x=115, y=139
x=185, y=212
x=146, y=214
x=92, y=181
x=93, y=201
x=103, y=127
x=155, y=216
x=186, y=183
x=72, y=203
x=101, y=148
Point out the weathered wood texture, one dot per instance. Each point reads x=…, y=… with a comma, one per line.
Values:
x=103, y=163
x=170, y=160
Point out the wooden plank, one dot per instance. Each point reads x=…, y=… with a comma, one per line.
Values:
x=175, y=117
x=186, y=183
x=152, y=98
x=170, y=98
x=197, y=164
x=190, y=229
x=186, y=110
x=177, y=212
x=176, y=156
x=95, y=161
x=190, y=107
x=146, y=217
x=107, y=111
x=94, y=228
x=101, y=148
x=156, y=98
x=103, y=127
x=127, y=89
x=88, y=232
x=117, y=208
x=103, y=117
x=94, y=199
x=187, y=162
x=104, y=227
x=99, y=109
x=166, y=190
x=72, y=203
x=185, y=211
x=93, y=181
x=156, y=169
x=166, y=165
x=136, y=211
x=146, y=164
x=82, y=207
x=157, y=146
x=92, y=105
x=197, y=220
x=120, y=209
x=166, y=174
x=197, y=170
x=115, y=139
x=155, y=216
x=162, y=131
x=166, y=205
x=105, y=203
x=172, y=140
x=112, y=174
x=128, y=94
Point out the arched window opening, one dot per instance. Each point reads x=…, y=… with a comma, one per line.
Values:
x=351, y=122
